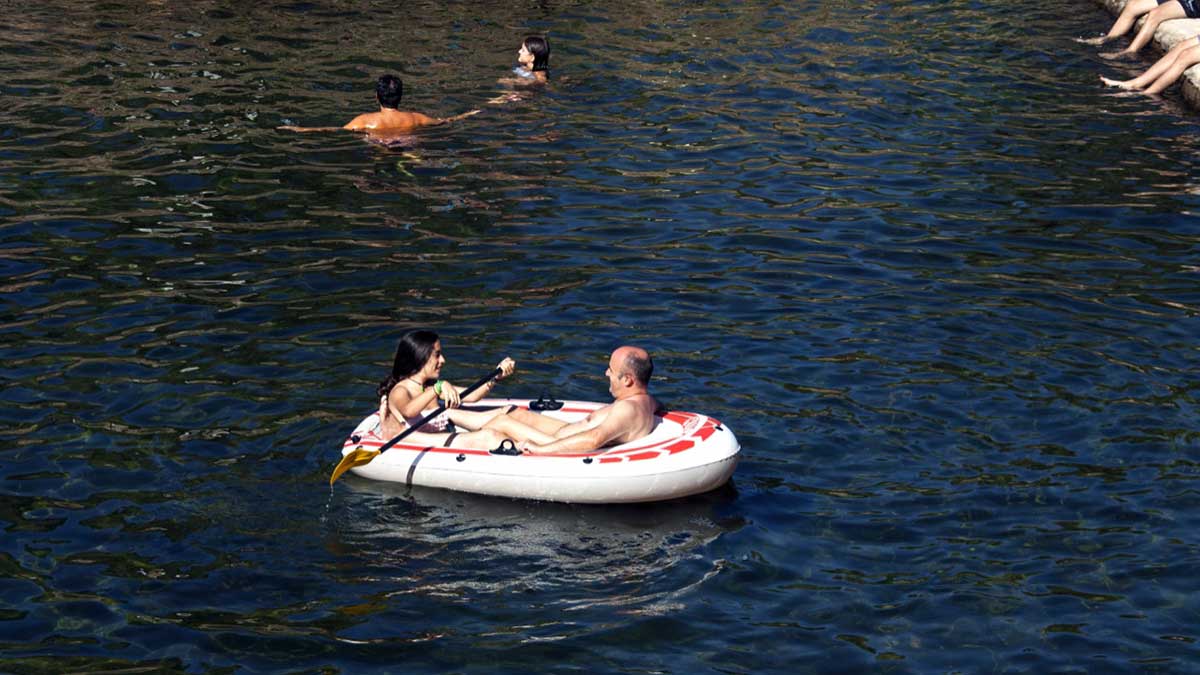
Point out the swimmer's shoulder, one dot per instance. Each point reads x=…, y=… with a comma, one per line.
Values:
x=363, y=122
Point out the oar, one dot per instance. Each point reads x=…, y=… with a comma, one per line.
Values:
x=361, y=455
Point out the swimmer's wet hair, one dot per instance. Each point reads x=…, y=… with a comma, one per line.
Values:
x=389, y=89
x=540, y=48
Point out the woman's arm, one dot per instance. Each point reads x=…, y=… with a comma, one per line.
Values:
x=408, y=406
x=507, y=366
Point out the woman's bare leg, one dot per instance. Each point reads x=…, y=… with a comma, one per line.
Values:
x=484, y=439
x=546, y=425
x=518, y=431
x=391, y=426
x=1160, y=66
x=474, y=420
x=1133, y=9
x=1165, y=11
x=1188, y=58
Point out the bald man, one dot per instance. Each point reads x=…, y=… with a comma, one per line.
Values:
x=629, y=417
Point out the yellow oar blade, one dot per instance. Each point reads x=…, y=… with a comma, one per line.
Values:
x=356, y=457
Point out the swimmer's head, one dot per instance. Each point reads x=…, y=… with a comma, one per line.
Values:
x=540, y=48
x=389, y=89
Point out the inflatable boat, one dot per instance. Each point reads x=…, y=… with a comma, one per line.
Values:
x=686, y=454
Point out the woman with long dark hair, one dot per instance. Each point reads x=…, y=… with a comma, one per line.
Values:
x=414, y=385
x=532, y=71
x=534, y=57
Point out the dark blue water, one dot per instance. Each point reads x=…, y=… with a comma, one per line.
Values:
x=943, y=286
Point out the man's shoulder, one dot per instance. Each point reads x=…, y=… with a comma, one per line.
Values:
x=641, y=407
x=404, y=119
x=390, y=120
x=363, y=121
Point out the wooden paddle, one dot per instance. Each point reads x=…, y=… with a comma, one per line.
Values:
x=360, y=455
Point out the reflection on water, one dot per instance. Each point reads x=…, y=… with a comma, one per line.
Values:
x=564, y=558
x=939, y=281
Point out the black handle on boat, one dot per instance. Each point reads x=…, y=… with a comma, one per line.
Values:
x=438, y=411
x=507, y=447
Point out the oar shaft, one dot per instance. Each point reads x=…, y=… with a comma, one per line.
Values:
x=440, y=409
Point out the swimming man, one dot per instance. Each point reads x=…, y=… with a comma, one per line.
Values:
x=390, y=119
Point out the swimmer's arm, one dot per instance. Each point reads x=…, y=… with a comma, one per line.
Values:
x=456, y=118
x=361, y=123
x=305, y=130
x=505, y=98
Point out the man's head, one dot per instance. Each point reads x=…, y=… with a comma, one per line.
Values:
x=540, y=48
x=389, y=89
x=629, y=371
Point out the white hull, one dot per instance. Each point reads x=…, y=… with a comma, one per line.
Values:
x=686, y=454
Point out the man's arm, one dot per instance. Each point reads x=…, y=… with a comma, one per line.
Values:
x=360, y=123
x=619, y=418
x=460, y=117
x=304, y=130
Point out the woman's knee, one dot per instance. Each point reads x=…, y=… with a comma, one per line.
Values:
x=1139, y=7
x=1181, y=47
x=494, y=424
x=491, y=437
x=1167, y=10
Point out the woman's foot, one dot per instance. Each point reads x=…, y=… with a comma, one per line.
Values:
x=1120, y=84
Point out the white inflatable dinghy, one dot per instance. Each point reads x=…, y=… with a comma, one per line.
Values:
x=686, y=454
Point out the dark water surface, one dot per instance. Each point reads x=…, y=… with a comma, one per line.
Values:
x=942, y=285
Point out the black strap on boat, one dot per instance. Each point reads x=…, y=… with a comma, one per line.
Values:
x=507, y=447
x=545, y=402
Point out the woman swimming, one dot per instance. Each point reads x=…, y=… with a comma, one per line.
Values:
x=533, y=69
x=534, y=57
